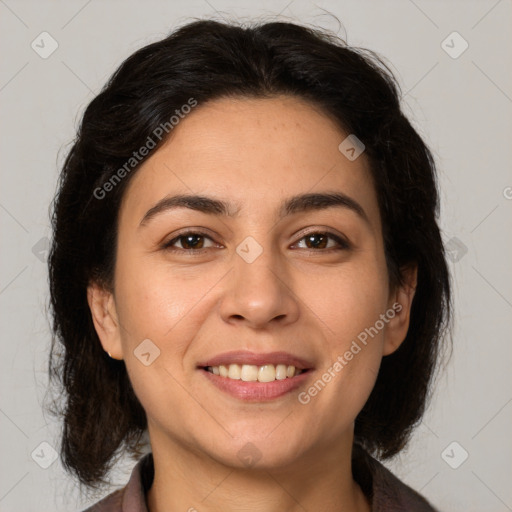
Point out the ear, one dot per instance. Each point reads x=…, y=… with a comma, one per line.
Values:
x=400, y=303
x=104, y=316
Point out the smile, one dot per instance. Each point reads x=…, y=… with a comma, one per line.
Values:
x=253, y=373
x=256, y=377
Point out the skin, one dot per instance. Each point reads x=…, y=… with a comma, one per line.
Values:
x=297, y=297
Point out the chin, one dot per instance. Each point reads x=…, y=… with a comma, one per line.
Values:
x=259, y=452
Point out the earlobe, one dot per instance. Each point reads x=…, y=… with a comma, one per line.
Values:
x=104, y=316
x=396, y=330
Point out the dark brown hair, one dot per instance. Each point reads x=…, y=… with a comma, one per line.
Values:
x=206, y=60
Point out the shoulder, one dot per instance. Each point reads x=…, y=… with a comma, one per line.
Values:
x=111, y=503
x=133, y=495
x=386, y=492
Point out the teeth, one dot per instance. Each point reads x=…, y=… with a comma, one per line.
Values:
x=281, y=371
x=235, y=372
x=249, y=373
x=267, y=373
x=253, y=373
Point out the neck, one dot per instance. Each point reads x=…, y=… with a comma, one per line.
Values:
x=186, y=480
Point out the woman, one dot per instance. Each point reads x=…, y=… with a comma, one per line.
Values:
x=247, y=266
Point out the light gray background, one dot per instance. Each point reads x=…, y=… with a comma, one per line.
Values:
x=461, y=106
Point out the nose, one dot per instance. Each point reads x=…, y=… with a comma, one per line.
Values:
x=260, y=293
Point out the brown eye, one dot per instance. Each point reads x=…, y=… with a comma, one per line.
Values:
x=320, y=241
x=191, y=241
x=316, y=241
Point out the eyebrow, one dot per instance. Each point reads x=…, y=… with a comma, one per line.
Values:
x=296, y=204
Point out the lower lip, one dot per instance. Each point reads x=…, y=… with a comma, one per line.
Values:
x=256, y=391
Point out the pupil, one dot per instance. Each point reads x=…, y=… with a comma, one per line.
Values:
x=311, y=239
x=192, y=240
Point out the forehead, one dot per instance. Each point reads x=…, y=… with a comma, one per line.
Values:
x=254, y=152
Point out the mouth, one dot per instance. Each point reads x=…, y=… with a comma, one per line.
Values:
x=256, y=377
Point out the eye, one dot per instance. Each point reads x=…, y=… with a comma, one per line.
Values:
x=190, y=241
x=320, y=240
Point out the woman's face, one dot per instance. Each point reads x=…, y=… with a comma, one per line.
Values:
x=279, y=269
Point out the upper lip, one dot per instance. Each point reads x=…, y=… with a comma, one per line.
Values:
x=247, y=357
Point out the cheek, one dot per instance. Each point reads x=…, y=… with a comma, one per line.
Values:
x=166, y=304
x=347, y=299
x=149, y=307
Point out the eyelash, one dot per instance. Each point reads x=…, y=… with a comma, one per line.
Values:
x=343, y=244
